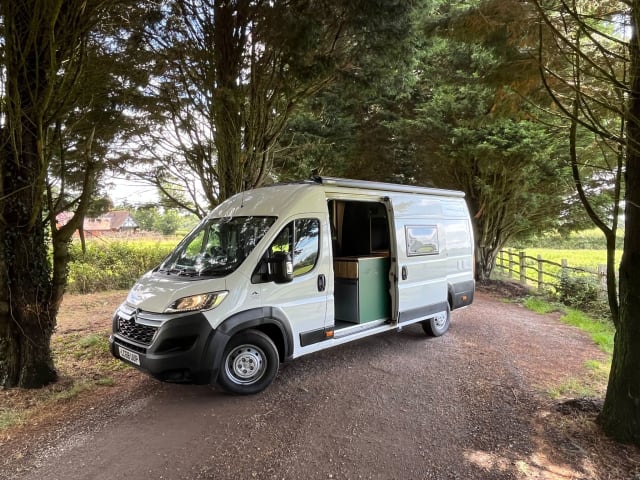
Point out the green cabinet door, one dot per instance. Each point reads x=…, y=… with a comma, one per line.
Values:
x=364, y=295
x=373, y=288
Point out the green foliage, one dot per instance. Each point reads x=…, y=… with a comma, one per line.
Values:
x=108, y=265
x=573, y=288
x=166, y=222
x=233, y=74
x=69, y=394
x=9, y=418
x=598, y=368
x=93, y=345
x=581, y=257
x=538, y=305
x=601, y=332
x=145, y=218
x=582, y=292
x=574, y=388
x=105, y=382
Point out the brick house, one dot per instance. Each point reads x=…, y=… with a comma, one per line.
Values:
x=114, y=223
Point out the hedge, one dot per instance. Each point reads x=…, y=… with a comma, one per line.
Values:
x=113, y=264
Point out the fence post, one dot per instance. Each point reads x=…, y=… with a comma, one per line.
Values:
x=510, y=263
x=602, y=277
x=523, y=268
x=540, y=273
x=501, y=257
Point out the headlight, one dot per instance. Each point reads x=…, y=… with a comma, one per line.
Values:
x=203, y=301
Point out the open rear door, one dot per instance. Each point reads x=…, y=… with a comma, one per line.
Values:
x=417, y=275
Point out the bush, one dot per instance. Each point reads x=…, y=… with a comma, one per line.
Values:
x=582, y=293
x=110, y=264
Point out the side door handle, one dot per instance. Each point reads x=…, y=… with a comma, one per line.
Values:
x=404, y=272
x=322, y=282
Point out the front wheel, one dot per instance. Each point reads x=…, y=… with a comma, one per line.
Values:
x=250, y=363
x=438, y=325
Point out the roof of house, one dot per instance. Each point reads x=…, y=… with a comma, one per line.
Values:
x=114, y=220
x=119, y=219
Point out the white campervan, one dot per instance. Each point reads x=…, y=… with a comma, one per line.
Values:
x=281, y=271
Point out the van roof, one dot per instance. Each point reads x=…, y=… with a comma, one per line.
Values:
x=287, y=198
x=391, y=187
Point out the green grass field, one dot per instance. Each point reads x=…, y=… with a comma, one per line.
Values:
x=585, y=259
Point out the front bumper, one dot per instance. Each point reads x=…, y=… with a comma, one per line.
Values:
x=173, y=348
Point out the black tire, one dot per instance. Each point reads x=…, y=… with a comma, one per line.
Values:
x=249, y=363
x=438, y=325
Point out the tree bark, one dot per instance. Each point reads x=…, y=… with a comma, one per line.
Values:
x=229, y=34
x=27, y=319
x=620, y=416
x=41, y=62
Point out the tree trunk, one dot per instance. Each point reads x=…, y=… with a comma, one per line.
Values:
x=620, y=416
x=485, y=261
x=27, y=319
x=39, y=37
x=229, y=42
x=612, y=287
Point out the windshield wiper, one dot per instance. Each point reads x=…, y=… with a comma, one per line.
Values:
x=215, y=271
x=187, y=272
x=184, y=272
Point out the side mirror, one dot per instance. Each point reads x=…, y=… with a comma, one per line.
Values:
x=282, y=264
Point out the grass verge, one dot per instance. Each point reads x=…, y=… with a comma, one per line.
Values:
x=597, y=371
x=600, y=331
x=84, y=364
x=9, y=418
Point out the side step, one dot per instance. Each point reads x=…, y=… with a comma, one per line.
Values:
x=357, y=328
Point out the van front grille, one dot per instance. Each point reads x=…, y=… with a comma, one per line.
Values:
x=128, y=328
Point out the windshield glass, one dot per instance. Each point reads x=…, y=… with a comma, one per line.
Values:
x=217, y=246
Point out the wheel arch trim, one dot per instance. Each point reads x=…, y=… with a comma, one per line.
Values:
x=257, y=317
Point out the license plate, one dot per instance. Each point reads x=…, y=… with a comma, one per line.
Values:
x=129, y=356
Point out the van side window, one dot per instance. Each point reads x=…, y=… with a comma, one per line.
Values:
x=421, y=240
x=301, y=239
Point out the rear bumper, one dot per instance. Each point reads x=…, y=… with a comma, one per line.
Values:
x=462, y=294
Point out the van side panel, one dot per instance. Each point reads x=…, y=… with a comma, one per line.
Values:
x=459, y=245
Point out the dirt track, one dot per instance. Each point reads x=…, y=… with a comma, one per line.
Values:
x=468, y=405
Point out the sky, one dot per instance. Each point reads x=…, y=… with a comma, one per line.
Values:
x=135, y=192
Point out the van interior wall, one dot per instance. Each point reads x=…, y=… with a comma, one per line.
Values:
x=361, y=229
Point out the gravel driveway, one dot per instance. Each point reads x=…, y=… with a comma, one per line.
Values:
x=468, y=405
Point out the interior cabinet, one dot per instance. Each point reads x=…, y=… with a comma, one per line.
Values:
x=361, y=288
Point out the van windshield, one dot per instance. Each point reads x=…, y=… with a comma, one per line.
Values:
x=216, y=247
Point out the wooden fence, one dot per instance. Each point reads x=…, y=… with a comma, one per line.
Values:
x=542, y=273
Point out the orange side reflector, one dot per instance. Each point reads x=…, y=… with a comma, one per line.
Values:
x=328, y=334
